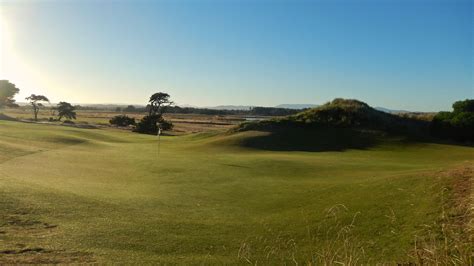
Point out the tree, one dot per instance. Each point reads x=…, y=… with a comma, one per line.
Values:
x=456, y=125
x=66, y=110
x=7, y=92
x=158, y=103
x=35, y=101
x=463, y=106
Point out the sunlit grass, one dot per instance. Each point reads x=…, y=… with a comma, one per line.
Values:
x=111, y=194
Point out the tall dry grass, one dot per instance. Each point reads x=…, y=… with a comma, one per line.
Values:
x=450, y=240
x=333, y=241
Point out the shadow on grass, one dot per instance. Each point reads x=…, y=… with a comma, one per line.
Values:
x=314, y=140
x=6, y=117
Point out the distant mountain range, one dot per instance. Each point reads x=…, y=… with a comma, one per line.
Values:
x=230, y=107
x=390, y=111
x=248, y=107
x=296, y=106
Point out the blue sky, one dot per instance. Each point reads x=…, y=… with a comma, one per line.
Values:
x=414, y=55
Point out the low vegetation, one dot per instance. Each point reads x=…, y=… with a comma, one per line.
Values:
x=122, y=121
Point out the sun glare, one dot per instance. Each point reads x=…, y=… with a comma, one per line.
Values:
x=3, y=46
x=13, y=66
x=9, y=63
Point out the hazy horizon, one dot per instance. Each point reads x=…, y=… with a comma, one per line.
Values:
x=408, y=55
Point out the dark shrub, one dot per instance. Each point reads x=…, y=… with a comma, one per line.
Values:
x=148, y=124
x=463, y=106
x=166, y=125
x=457, y=125
x=122, y=121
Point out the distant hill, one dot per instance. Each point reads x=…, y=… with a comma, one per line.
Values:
x=391, y=111
x=248, y=107
x=231, y=107
x=108, y=106
x=296, y=106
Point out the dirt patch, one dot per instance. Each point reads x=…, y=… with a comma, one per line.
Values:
x=20, y=226
x=22, y=251
x=21, y=221
x=43, y=256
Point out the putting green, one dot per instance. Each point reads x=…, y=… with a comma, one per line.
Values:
x=109, y=194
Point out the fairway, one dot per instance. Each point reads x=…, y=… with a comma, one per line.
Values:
x=105, y=195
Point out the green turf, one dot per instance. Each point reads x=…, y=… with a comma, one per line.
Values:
x=112, y=195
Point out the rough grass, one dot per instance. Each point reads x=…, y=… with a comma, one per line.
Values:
x=183, y=123
x=450, y=240
x=112, y=197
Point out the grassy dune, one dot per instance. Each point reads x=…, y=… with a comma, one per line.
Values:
x=70, y=195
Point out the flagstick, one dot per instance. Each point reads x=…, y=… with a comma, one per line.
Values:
x=159, y=134
x=159, y=142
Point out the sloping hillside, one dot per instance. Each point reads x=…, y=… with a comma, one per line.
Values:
x=342, y=113
x=335, y=126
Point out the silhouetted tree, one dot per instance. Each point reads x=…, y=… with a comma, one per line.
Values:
x=148, y=124
x=7, y=92
x=158, y=103
x=35, y=101
x=66, y=110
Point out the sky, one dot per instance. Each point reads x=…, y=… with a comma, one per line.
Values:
x=411, y=55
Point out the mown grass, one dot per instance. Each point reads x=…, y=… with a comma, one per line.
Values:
x=112, y=197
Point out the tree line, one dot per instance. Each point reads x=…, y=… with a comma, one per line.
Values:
x=457, y=125
x=257, y=111
x=8, y=91
x=150, y=124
